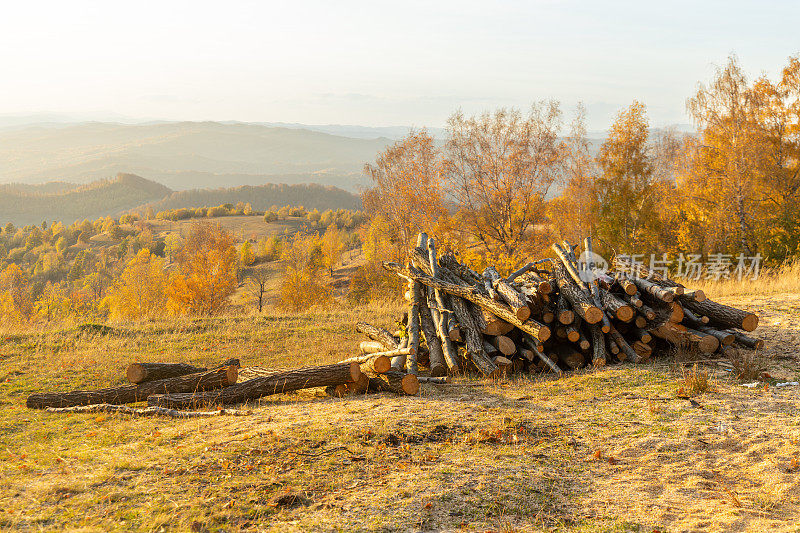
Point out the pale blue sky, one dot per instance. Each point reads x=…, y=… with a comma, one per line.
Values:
x=375, y=63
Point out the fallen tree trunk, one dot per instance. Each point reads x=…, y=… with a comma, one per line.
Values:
x=144, y=372
x=213, y=379
x=144, y=412
x=291, y=380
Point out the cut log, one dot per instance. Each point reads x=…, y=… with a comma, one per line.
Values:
x=378, y=334
x=564, y=314
x=396, y=382
x=705, y=342
x=213, y=379
x=413, y=328
x=642, y=349
x=677, y=313
x=442, y=380
x=573, y=335
x=725, y=338
x=363, y=358
x=490, y=349
x=379, y=365
x=693, y=296
x=654, y=290
x=531, y=344
x=598, y=346
x=505, y=345
x=503, y=367
x=508, y=294
x=437, y=364
x=497, y=327
x=724, y=315
x=747, y=341
x=569, y=356
x=580, y=300
x=144, y=372
x=445, y=310
x=617, y=307
x=291, y=380
x=144, y=412
x=371, y=347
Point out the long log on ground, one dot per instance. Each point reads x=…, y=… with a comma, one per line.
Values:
x=724, y=315
x=291, y=380
x=437, y=380
x=538, y=330
x=725, y=338
x=509, y=295
x=378, y=334
x=144, y=372
x=580, y=300
x=213, y=379
x=396, y=382
x=144, y=412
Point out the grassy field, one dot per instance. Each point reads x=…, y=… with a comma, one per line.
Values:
x=601, y=450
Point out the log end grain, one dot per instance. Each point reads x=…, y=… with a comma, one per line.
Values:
x=135, y=373
x=593, y=314
x=750, y=322
x=625, y=313
x=410, y=384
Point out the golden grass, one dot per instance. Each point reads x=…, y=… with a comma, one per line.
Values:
x=781, y=280
x=476, y=455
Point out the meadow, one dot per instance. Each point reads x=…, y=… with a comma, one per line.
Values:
x=611, y=449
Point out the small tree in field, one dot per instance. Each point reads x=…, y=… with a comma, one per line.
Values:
x=257, y=279
x=246, y=256
x=141, y=290
x=206, y=276
x=300, y=289
x=332, y=247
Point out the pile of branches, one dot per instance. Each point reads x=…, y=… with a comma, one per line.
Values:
x=550, y=316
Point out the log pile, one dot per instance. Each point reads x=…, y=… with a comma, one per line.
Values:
x=548, y=316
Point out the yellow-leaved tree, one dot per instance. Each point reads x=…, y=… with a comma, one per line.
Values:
x=140, y=291
x=16, y=305
x=206, y=274
x=300, y=289
x=332, y=247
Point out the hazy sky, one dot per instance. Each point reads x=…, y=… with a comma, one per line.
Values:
x=372, y=62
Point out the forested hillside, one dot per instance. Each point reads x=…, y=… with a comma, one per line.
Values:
x=261, y=197
x=64, y=203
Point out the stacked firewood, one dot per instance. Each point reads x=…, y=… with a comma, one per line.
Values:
x=550, y=316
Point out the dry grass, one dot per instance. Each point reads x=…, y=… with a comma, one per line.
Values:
x=605, y=450
x=694, y=381
x=784, y=279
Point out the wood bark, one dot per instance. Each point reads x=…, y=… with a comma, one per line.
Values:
x=580, y=301
x=624, y=347
x=654, y=290
x=598, y=346
x=144, y=412
x=747, y=341
x=564, y=314
x=528, y=341
x=378, y=334
x=569, y=356
x=437, y=364
x=291, y=380
x=505, y=345
x=396, y=382
x=371, y=347
x=213, y=379
x=617, y=307
x=724, y=315
x=508, y=294
x=144, y=372
x=413, y=328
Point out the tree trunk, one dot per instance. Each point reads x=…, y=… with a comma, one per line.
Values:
x=413, y=328
x=581, y=301
x=617, y=307
x=371, y=347
x=528, y=341
x=624, y=347
x=144, y=372
x=724, y=315
x=564, y=314
x=508, y=294
x=213, y=379
x=598, y=346
x=747, y=341
x=291, y=380
x=396, y=382
x=436, y=355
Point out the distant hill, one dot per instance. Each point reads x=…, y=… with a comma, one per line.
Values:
x=184, y=155
x=262, y=197
x=69, y=202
